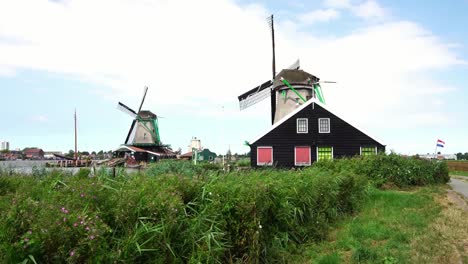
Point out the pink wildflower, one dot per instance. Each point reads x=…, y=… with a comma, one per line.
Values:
x=91, y=237
x=64, y=219
x=75, y=224
x=72, y=253
x=82, y=195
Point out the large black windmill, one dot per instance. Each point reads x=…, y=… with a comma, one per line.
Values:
x=144, y=131
x=287, y=90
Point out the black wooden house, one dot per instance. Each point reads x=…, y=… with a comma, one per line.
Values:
x=308, y=134
x=304, y=130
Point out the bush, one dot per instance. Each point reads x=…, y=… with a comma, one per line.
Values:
x=255, y=216
x=179, y=212
x=393, y=169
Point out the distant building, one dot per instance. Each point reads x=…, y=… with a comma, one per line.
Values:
x=34, y=153
x=195, y=144
x=51, y=154
x=439, y=156
x=206, y=154
x=5, y=145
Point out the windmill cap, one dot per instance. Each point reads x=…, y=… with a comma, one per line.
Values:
x=146, y=114
x=294, y=76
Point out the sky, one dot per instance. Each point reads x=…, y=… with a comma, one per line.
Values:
x=400, y=68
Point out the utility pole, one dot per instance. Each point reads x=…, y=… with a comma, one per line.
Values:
x=273, y=67
x=76, y=143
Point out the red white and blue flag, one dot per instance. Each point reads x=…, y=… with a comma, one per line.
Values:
x=440, y=143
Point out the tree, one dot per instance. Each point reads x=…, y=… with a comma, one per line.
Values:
x=85, y=153
x=460, y=156
x=70, y=153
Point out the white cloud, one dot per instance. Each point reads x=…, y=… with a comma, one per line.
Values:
x=193, y=61
x=7, y=71
x=369, y=9
x=320, y=15
x=39, y=118
x=338, y=3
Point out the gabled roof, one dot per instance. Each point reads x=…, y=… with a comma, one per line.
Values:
x=300, y=108
x=162, y=152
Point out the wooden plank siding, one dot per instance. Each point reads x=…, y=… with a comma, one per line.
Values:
x=345, y=139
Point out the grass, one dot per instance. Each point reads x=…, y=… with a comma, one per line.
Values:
x=459, y=173
x=386, y=228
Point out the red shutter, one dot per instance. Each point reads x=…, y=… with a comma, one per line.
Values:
x=264, y=155
x=302, y=155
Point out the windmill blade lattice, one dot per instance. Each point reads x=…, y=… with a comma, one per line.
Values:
x=143, y=99
x=126, y=110
x=255, y=95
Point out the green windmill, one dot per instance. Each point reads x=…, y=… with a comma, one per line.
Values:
x=144, y=131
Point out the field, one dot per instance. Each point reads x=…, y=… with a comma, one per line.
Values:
x=459, y=166
x=177, y=212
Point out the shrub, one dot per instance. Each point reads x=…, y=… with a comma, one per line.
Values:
x=394, y=169
x=255, y=216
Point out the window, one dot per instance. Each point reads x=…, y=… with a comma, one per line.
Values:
x=324, y=153
x=302, y=156
x=264, y=156
x=324, y=125
x=367, y=151
x=302, y=126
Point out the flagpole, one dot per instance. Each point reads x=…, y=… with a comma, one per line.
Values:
x=435, y=152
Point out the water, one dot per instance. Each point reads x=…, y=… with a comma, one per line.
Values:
x=28, y=166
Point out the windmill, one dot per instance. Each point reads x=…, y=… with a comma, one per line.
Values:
x=144, y=131
x=287, y=90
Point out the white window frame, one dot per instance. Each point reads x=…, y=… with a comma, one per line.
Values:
x=317, y=155
x=329, y=126
x=306, y=125
x=360, y=150
x=265, y=163
x=310, y=156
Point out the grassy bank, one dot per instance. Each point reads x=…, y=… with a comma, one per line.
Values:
x=176, y=212
x=414, y=226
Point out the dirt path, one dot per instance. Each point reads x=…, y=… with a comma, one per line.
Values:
x=459, y=186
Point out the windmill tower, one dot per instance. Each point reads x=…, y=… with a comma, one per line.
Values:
x=288, y=89
x=144, y=131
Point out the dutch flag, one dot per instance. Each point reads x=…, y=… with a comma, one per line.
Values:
x=440, y=143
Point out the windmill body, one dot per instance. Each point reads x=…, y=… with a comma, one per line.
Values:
x=287, y=98
x=143, y=132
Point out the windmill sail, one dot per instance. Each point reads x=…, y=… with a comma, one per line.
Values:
x=295, y=66
x=255, y=95
x=143, y=99
x=131, y=133
x=127, y=110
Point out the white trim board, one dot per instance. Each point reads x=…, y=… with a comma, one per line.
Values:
x=311, y=101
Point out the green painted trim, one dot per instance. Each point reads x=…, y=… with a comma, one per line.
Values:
x=317, y=90
x=156, y=129
x=294, y=90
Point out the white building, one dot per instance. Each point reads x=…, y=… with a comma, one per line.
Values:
x=5, y=145
x=439, y=156
x=195, y=144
